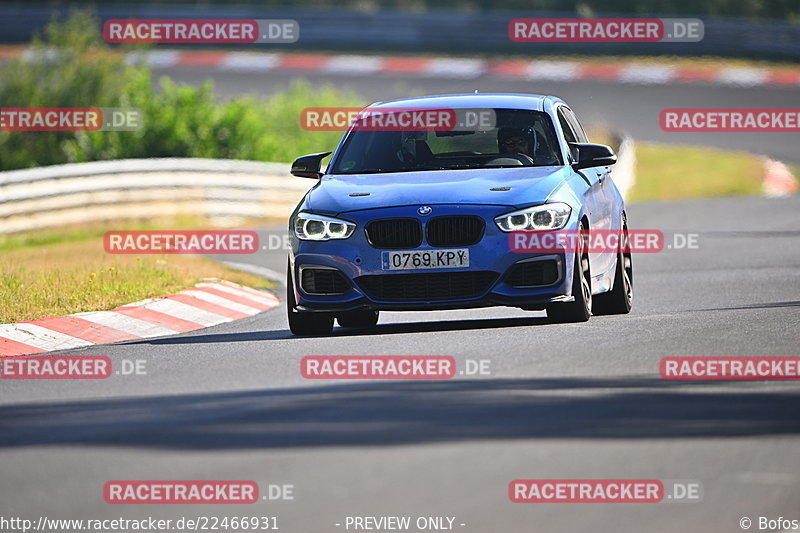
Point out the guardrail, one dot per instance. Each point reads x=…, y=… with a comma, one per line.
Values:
x=58, y=195
x=436, y=30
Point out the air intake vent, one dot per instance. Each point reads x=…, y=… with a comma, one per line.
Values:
x=426, y=287
x=323, y=281
x=455, y=230
x=395, y=233
x=533, y=274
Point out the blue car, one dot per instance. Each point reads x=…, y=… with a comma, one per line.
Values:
x=420, y=216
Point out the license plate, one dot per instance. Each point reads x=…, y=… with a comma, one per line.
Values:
x=424, y=259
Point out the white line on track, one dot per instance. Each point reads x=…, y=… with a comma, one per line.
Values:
x=258, y=271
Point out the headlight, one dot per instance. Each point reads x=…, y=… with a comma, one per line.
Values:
x=310, y=227
x=547, y=216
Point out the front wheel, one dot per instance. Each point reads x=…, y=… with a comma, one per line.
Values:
x=580, y=309
x=305, y=324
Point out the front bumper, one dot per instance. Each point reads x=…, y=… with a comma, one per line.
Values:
x=357, y=260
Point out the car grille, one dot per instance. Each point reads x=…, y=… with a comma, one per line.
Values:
x=458, y=230
x=323, y=281
x=396, y=233
x=533, y=274
x=428, y=286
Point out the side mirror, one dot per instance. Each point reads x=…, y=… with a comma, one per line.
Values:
x=308, y=166
x=592, y=155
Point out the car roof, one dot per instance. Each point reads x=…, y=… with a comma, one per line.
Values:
x=533, y=102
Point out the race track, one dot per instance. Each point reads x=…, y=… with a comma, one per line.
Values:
x=630, y=108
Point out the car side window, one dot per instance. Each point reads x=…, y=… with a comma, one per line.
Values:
x=576, y=126
x=569, y=134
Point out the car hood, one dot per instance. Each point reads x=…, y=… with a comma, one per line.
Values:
x=469, y=186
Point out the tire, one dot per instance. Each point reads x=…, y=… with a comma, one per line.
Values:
x=580, y=309
x=305, y=324
x=358, y=319
x=619, y=299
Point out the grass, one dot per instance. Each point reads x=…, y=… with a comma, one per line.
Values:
x=96, y=230
x=85, y=232
x=669, y=172
x=48, y=274
x=600, y=134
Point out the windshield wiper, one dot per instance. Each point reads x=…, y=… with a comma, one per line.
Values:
x=449, y=167
x=377, y=171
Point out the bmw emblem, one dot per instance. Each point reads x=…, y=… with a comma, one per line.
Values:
x=424, y=210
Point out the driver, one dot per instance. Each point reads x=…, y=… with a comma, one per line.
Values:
x=515, y=141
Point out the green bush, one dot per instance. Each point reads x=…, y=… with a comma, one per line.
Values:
x=73, y=67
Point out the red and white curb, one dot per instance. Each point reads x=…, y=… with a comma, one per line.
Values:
x=461, y=68
x=466, y=68
x=206, y=304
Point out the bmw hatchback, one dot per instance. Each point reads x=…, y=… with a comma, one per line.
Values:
x=413, y=216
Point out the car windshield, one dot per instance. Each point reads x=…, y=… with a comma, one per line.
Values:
x=516, y=138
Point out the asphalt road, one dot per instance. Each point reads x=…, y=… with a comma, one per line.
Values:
x=562, y=401
x=630, y=108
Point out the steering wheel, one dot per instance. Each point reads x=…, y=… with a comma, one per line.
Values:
x=524, y=159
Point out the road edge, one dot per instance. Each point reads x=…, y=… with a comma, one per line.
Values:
x=208, y=303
